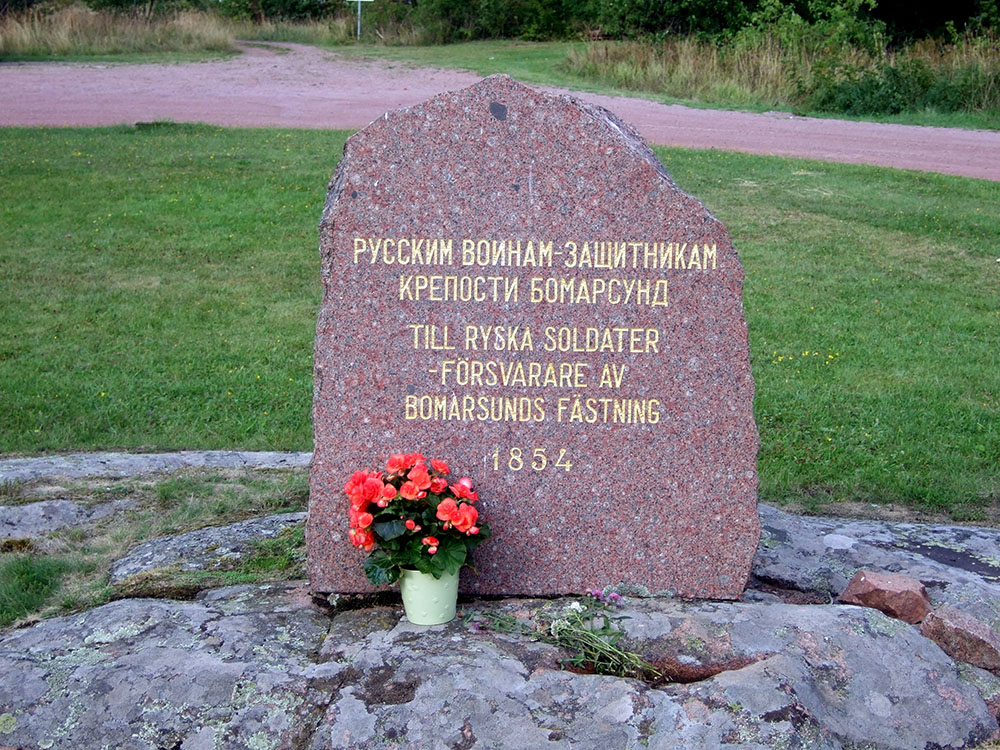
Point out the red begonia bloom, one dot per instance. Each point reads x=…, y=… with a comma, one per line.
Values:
x=439, y=466
x=388, y=492
x=410, y=524
x=438, y=485
x=420, y=476
x=372, y=487
x=465, y=518
x=397, y=463
x=362, y=538
x=430, y=540
x=409, y=490
x=446, y=509
x=463, y=490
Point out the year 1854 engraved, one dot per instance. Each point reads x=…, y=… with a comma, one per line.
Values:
x=536, y=459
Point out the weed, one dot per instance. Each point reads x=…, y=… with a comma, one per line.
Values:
x=16, y=545
x=170, y=491
x=26, y=581
x=10, y=490
x=279, y=559
x=586, y=627
x=283, y=554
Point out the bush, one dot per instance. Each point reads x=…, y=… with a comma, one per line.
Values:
x=264, y=10
x=908, y=85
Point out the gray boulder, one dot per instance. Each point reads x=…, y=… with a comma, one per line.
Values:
x=958, y=565
x=35, y=520
x=210, y=548
x=78, y=465
x=263, y=667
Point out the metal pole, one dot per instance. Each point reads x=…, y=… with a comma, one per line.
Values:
x=359, y=20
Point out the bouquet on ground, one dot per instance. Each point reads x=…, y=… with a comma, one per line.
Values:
x=413, y=516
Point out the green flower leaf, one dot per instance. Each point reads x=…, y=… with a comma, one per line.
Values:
x=389, y=529
x=450, y=556
x=380, y=568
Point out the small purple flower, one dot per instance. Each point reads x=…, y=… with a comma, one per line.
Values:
x=614, y=597
x=597, y=594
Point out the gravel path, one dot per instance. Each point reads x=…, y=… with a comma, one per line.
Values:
x=298, y=86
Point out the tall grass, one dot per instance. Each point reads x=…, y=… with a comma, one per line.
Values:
x=687, y=68
x=767, y=70
x=332, y=31
x=76, y=30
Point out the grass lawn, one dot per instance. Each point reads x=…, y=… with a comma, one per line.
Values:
x=160, y=284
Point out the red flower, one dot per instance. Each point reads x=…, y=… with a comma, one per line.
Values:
x=420, y=476
x=357, y=477
x=465, y=518
x=372, y=487
x=362, y=538
x=397, y=463
x=363, y=488
x=446, y=509
x=410, y=491
x=463, y=490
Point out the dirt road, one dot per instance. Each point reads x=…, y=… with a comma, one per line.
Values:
x=297, y=86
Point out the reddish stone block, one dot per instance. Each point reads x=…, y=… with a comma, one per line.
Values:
x=964, y=637
x=514, y=284
x=896, y=595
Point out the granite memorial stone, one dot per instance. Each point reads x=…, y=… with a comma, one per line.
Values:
x=514, y=284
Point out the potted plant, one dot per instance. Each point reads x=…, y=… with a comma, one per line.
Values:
x=419, y=527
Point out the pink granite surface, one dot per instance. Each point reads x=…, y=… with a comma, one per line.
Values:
x=667, y=501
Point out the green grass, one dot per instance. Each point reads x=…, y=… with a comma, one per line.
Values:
x=26, y=582
x=873, y=299
x=160, y=287
x=159, y=284
x=530, y=62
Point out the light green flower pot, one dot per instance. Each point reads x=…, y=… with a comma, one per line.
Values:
x=426, y=599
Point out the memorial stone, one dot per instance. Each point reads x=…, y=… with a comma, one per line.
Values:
x=514, y=284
